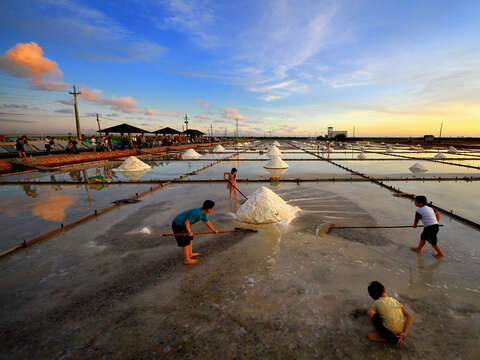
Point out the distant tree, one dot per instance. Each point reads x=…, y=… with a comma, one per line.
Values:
x=320, y=137
x=340, y=137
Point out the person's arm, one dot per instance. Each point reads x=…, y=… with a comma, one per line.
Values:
x=408, y=324
x=187, y=226
x=225, y=175
x=417, y=217
x=437, y=215
x=210, y=226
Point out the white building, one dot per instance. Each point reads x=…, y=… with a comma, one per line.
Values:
x=332, y=134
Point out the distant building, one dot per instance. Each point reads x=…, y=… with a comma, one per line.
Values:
x=331, y=134
x=428, y=138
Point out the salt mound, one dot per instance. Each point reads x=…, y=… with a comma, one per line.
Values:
x=218, y=148
x=440, y=156
x=133, y=164
x=412, y=147
x=389, y=149
x=276, y=163
x=452, y=150
x=264, y=207
x=274, y=151
x=276, y=143
x=418, y=168
x=190, y=154
x=362, y=156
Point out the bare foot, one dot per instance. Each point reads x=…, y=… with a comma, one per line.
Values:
x=375, y=337
x=438, y=256
x=413, y=248
x=194, y=254
x=189, y=262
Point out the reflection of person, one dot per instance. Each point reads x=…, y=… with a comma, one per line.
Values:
x=425, y=274
x=20, y=148
x=47, y=145
x=29, y=191
x=390, y=319
x=182, y=225
x=93, y=141
x=231, y=178
x=430, y=219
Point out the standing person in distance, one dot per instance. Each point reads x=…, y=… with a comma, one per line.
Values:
x=231, y=178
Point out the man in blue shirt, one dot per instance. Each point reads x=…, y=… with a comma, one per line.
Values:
x=182, y=225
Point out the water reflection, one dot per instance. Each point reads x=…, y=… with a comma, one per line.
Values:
x=32, y=192
x=276, y=172
x=53, y=206
x=424, y=274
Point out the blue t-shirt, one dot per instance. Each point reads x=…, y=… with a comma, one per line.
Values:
x=193, y=215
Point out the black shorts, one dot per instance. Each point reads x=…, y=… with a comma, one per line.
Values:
x=182, y=241
x=383, y=331
x=430, y=234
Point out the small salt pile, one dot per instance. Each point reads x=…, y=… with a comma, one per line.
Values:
x=190, y=154
x=274, y=151
x=265, y=207
x=276, y=163
x=362, y=156
x=452, y=150
x=412, y=147
x=276, y=143
x=218, y=148
x=133, y=164
x=418, y=168
x=389, y=149
x=440, y=156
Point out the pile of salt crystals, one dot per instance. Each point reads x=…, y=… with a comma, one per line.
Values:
x=190, y=154
x=276, y=143
x=452, y=150
x=389, y=149
x=133, y=164
x=362, y=156
x=264, y=207
x=276, y=163
x=418, y=168
x=274, y=151
x=440, y=156
x=218, y=148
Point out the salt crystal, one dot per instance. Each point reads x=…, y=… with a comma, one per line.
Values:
x=276, y=163
x=190, y=154
x=133, y=164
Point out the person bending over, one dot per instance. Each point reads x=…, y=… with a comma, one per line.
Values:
x=182, y=225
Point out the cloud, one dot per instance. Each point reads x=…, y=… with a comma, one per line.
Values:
x=64, y=111
x=232, y=113
x=124, y=104
x=26, y=61
x=14, y=106
x=17, y=121
x=202, y=117
x=150, y=112
x=65, y=102
x=202, y=103
x=281, y=90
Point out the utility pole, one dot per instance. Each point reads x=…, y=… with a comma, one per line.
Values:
x=211, y=130
x=77, y=115
x=186, y=122
x=237, y=129
x=353, y=131
x=440, y=135
x=98, y=122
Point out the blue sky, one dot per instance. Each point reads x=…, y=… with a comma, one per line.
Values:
x=289, y=67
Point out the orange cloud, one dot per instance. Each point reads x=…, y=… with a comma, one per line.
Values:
x=54, y=206
x=150, y=111
x=125, y=104
x=232, y=113
x=202, y=103
x=26, y=61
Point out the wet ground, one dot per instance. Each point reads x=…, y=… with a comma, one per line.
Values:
x=115, y=288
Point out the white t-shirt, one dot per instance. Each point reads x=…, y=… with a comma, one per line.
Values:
x=427, y=215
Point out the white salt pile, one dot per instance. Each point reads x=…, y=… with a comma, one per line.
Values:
x=362, y=156
x=133, y=164
x=276, y=143
x=276, y=163
x=265, y=207
x=418, y=168
x=274, y=151
x=389, y=149
x=412, y=147
x=190, y=154
x=440, y=156
x=218, y=148
x=452, y=150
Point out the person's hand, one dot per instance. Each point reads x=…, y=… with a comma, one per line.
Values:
x=215, y=231
x=189, y=233
x=414, y=226
x=401, y=336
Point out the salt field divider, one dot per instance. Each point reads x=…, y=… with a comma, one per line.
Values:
x=97, y=213
x=450, y=213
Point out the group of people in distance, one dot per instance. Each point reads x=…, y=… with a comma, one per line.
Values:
x=390, y=319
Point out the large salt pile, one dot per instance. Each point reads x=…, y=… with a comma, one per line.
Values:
x=362, y=156
x=440, y=156
x=265, y=207
x=276, y=163
x=418, y=168
x=133, y=164
x=218, y=148
x=190, y=154
x=274, y=151
x=452, y=150
x=276, y=143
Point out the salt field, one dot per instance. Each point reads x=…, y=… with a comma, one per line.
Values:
x=113, y=287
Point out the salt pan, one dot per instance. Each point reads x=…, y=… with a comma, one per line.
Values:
x=265, y=207
x=190, y=154
x=133, y=164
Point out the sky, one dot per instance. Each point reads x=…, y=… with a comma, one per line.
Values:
x=278, y=67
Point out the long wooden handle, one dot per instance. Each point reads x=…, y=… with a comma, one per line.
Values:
x=211, y=232
x=237, y=189
x=374, y=227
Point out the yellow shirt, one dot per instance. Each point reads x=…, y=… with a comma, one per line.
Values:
x=390, y=310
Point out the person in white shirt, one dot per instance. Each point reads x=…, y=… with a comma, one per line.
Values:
x=430, y=219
